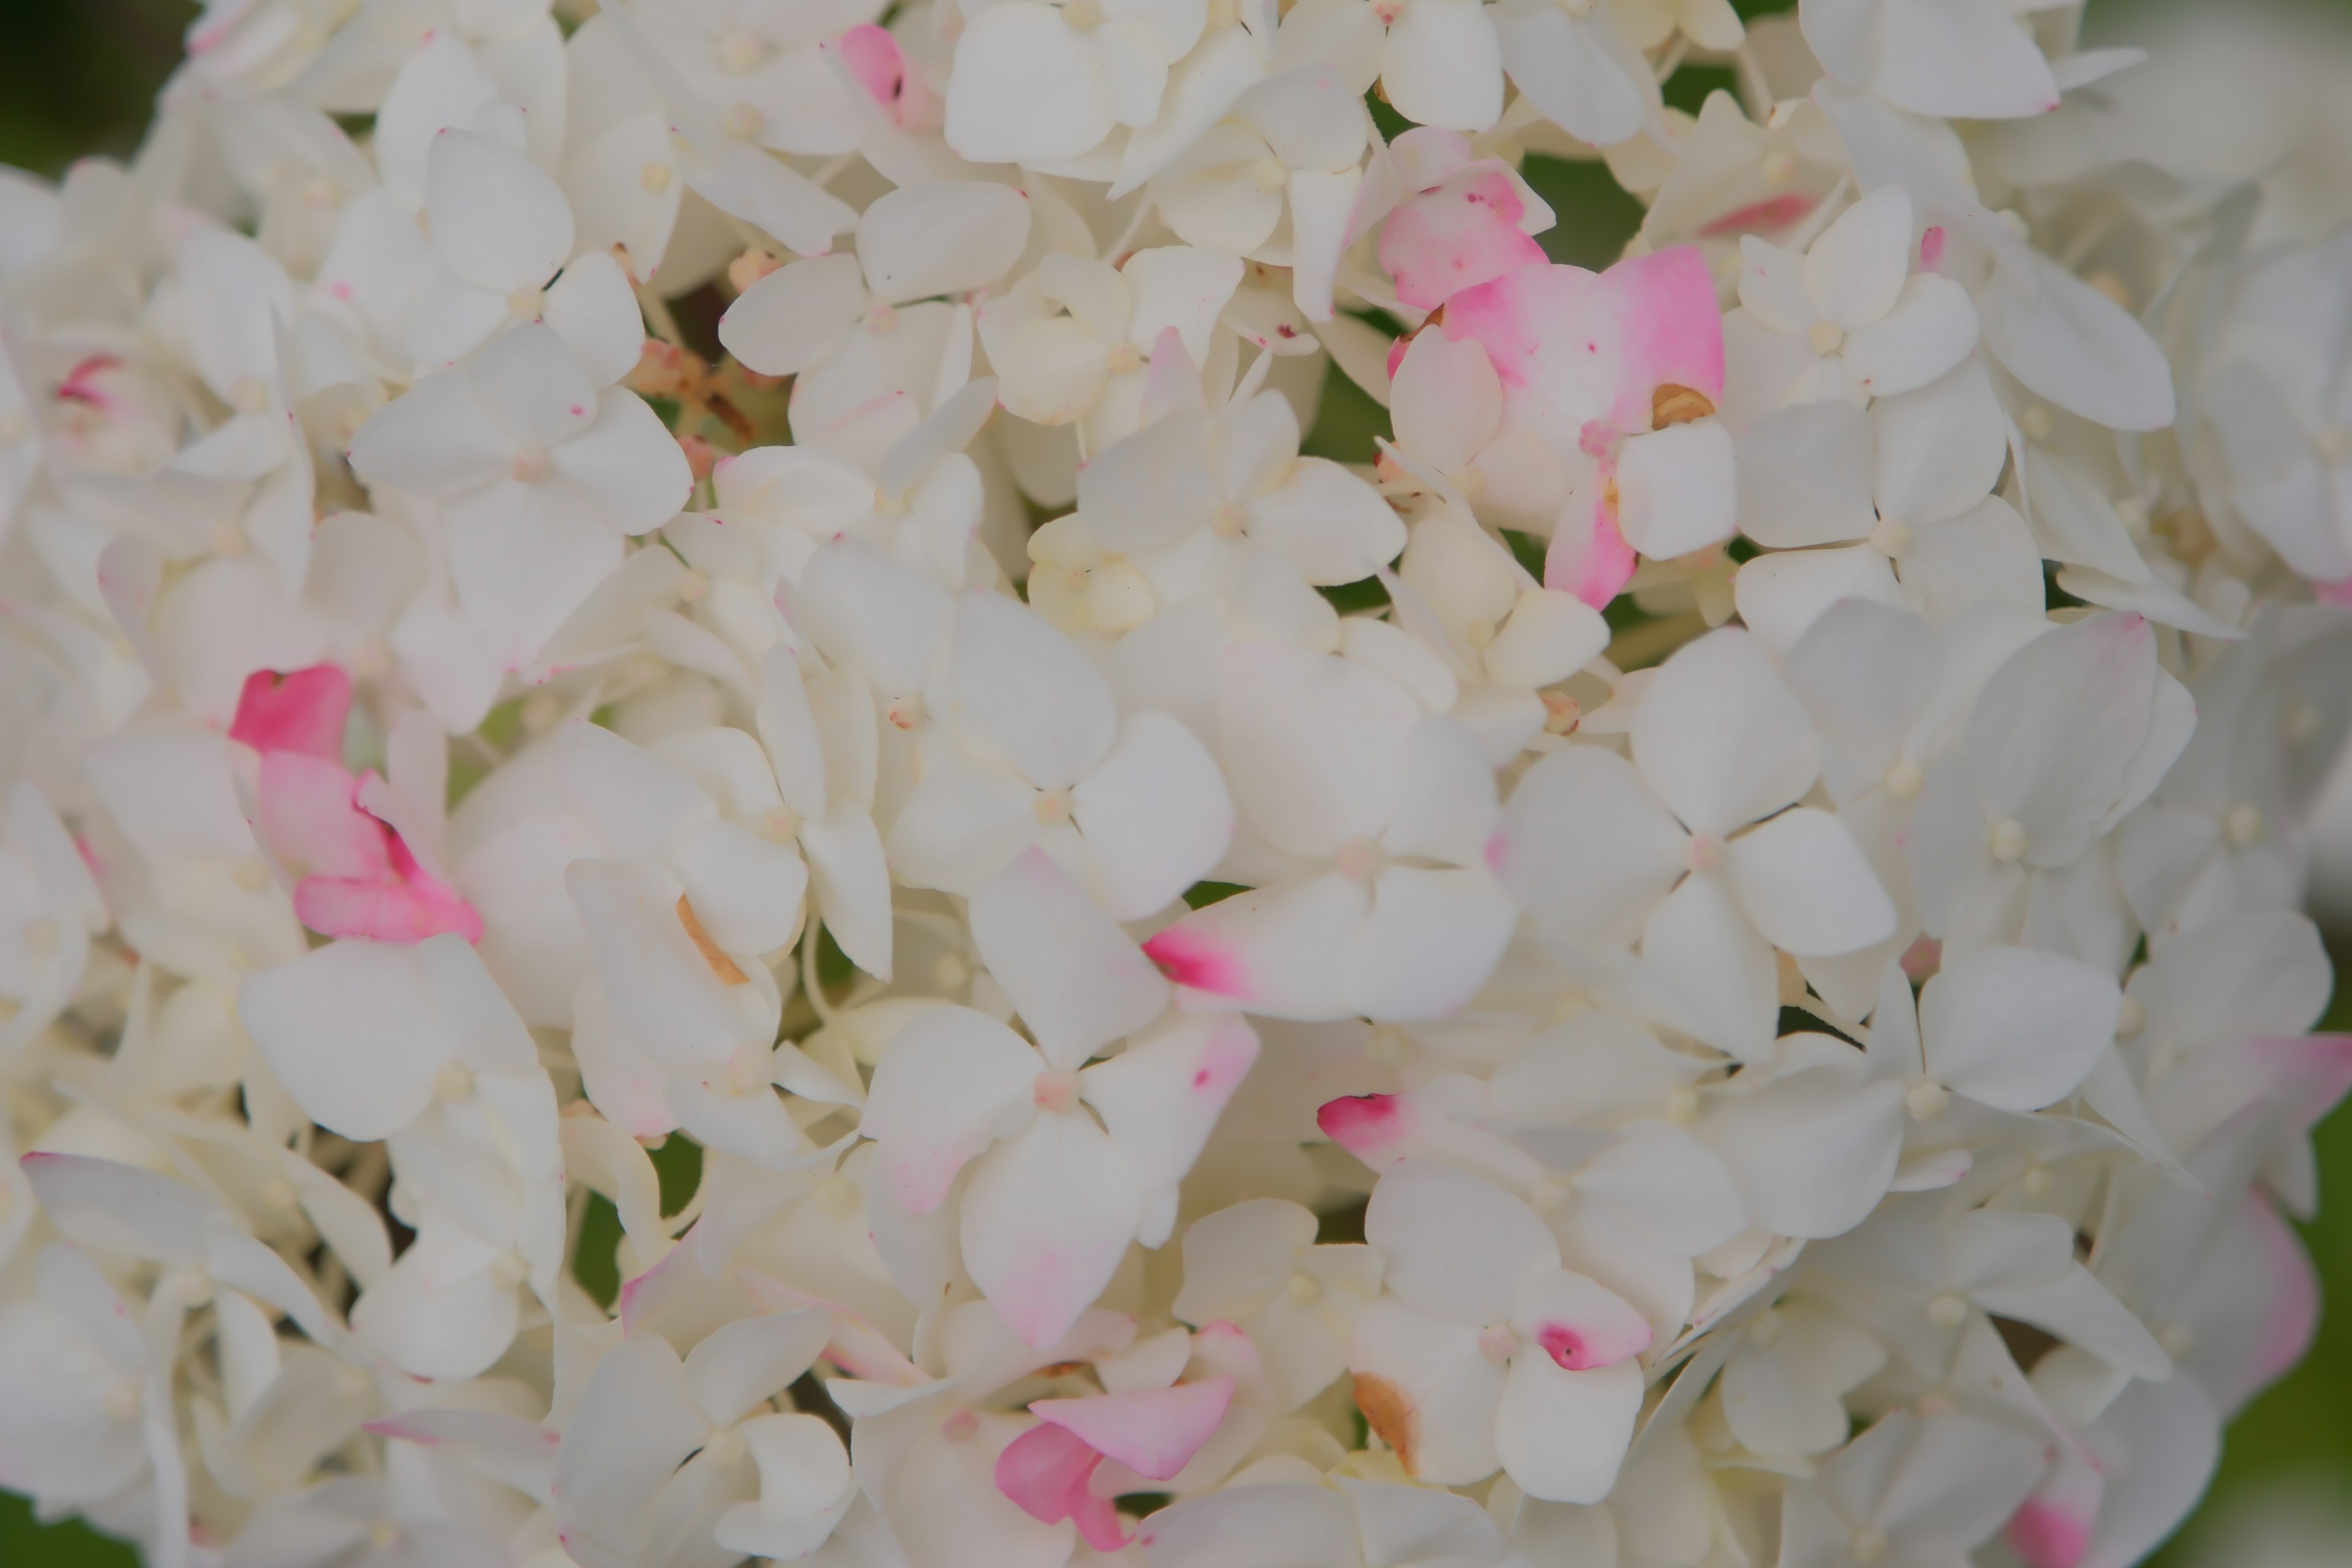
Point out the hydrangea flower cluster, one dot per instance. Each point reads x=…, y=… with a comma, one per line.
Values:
x=1698, y=967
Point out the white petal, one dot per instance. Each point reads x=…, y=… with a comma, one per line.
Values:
x=1588, y=850
x=2015, y=1028
x=1045, y=1221
x=595, y=312
x=1310, y=744
x=1931, y=328
x=949, y=238
x=1458, y=1247
x=1677, y=491
x=793, y=317
x=1562, y=1435
x=1720, y=737
x=946, y=1085
x=1855, y=270
x=1805, y=476
x=1026, y=89
x=497, y=220
x=1431, y=939
x=2074, y=346
x=1162, y=1095
x=1076, y=979
x=1807, y=886
x=1155, y=816
x=1442, y=66
x=1714, y=977
x=348, y=1032
x=1019, y=694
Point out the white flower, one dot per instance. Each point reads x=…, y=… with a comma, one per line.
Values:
x=1847, y=320
x=1037, y=83
x=1603, y=852
x=1483, y=1352
x=1386, y=820
x=1132, y=810
x=1054, y=1197
x=540, y=473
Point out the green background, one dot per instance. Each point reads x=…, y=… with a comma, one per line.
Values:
x=78, y=76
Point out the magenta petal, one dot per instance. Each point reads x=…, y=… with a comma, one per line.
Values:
x=301, y=710
x=1044, y=1470
x=1154, y=1432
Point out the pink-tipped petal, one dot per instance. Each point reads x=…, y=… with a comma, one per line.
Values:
x=1372, y=1127
x=1155, y=1432
x=297, y=710
x=1197, y=961
x=1579, y=1322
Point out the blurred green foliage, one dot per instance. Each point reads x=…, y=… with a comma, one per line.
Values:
x=78, y=76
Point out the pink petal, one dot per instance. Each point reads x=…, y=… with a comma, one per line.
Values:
x=1045, y=1471
x=383, y=910
x=299, y=711
x=1155, y=1432
x=875, y=62
x=1464, y=232
x=1589, y=556
x=2048, y=1534
x=309, y=817
x=1570, y=346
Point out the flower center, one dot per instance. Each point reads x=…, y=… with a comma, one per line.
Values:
x=524, y=304
x=1826, y=337
x=743, y=122
x=740, y=52
x=2131, y=1020
x=1052, y=808
x=2008, y=841
x=1084, y=15
x=1496, y=1342
x=2333, y=445
x=1904, y=779
x=1948, y=1310
x=1891, y=538
x=454, y=1082
x=1121, y=359
x=529, y=468
x=2244, y=825
x=1056, y=1090
x=1927, y=1100
x=1303, y=1289
x=1779, y=166
x=1706, y=853
x=1358, y=859
x=1869, y=1545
